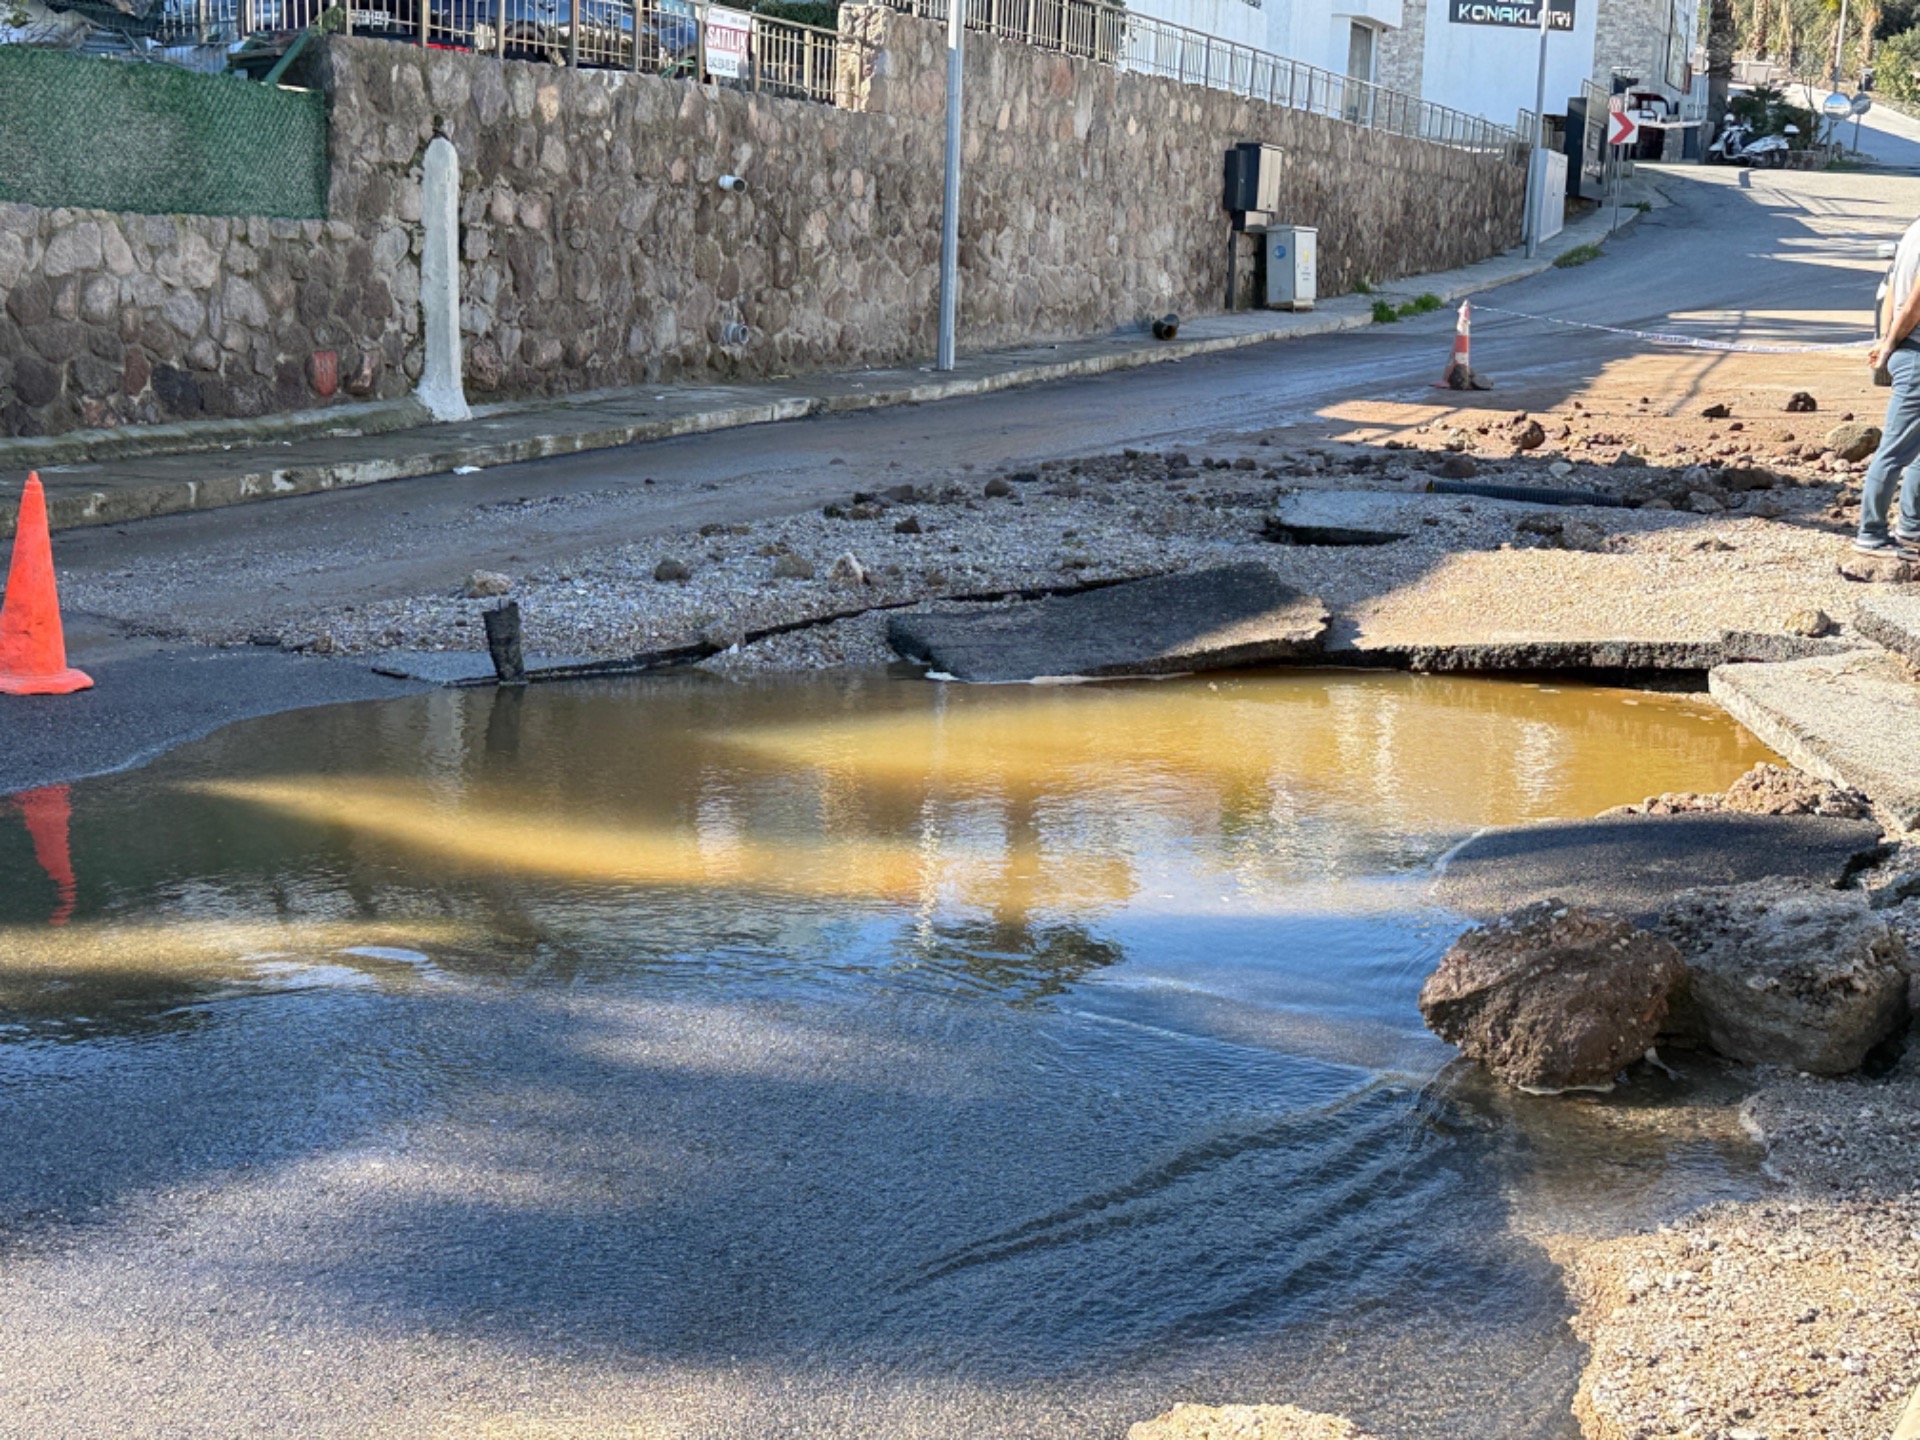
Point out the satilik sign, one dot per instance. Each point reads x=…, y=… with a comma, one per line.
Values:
x=1519, y=14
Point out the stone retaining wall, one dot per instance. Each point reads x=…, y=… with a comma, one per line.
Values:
x=598, y=250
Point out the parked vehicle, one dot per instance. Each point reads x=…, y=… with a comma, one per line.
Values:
x=1727, y=145
x=1771, y=150
x=669, y=30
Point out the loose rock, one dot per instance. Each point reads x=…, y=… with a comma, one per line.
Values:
x=1785, y=972
x=485, y=584
x=1879, y=569
x=997, y=488
x=792, y=567
x=1245, y=1422
x=671, y=571
x=1553, y=997
x=1801, y=403
x=1853, y=440
x=847, y=572
x=1809, y=622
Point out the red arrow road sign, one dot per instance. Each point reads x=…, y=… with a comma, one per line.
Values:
x=1622, y=128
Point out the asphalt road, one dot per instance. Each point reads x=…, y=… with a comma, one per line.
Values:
x=1770, y=257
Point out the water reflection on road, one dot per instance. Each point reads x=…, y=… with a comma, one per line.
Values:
x=857, y=1056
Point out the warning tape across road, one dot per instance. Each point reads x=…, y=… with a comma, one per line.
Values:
x=1690, y=342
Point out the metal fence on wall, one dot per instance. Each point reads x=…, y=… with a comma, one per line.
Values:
x=1107, y=33
x=656, y=37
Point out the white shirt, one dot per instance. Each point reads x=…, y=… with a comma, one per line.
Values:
x=1906, y=267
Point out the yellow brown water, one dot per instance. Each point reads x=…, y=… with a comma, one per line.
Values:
x=850, y=1057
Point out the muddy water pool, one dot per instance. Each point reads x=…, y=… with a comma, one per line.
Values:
x=848, y=1057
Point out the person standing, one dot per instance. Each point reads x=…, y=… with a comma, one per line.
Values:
x=1898, y=349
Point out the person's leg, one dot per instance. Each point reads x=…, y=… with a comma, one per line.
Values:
x=1905, y=522
x=1899, y=447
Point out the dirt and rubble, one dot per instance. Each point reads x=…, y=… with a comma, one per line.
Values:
x=1710, y=527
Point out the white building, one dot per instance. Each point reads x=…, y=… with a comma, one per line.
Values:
x=1344, y=36
x=1483, y=56
x=1242, y=21
x=1480, y=56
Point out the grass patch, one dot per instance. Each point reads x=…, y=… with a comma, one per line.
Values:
x=1579, y=255
x=1361, y=287
x=1643, y=206
x=1385, y=313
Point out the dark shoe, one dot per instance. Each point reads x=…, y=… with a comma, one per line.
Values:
x=1878, y=545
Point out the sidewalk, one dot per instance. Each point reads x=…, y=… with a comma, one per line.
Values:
x=111, y=477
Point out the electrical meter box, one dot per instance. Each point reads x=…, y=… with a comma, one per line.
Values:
x=1253, y=183
x=1291, y=252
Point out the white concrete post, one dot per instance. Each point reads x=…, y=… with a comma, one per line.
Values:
x=440, y=385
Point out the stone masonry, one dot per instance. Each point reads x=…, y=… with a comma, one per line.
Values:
x=598, y=250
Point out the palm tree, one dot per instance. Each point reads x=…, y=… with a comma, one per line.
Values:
x=1719, y=59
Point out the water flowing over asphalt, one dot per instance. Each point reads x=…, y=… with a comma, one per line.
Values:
x=852, y=1057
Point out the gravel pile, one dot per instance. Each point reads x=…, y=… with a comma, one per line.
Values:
x=1468, y=572
x=1798, y=1316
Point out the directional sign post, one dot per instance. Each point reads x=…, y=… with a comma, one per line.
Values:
x=1622, y=129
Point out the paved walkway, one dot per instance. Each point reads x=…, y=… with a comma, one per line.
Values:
x=99, y=478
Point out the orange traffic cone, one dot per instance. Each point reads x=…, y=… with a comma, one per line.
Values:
x=1460, y=367
x=33, y=651
x=48, y=812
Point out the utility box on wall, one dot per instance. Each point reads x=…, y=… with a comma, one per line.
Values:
x=1291, y=252
x=1252, y=183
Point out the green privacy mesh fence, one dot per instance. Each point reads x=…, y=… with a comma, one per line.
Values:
x=112, y=135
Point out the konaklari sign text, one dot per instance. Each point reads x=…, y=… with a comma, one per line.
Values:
x=1517, y=13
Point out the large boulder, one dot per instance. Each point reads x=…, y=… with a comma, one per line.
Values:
x=1553, y=996
x=1786, y=972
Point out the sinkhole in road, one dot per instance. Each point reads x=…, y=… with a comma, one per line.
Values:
x=852, y=1056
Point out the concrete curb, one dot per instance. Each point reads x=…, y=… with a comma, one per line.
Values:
x=183, y=437
x=279, y=477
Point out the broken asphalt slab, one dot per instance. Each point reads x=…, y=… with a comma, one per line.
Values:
x=1634, y=864
x=1853, y=719
x=1203, y=620
x=1891, y=619
x=1380, y=517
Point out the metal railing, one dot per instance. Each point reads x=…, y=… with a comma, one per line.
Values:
x=1106, y=33
x=657, y=37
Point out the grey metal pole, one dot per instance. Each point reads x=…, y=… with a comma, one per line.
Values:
x=950, y=209
x=1537, y=187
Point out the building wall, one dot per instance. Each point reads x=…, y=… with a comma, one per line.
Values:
x=1241, y=21
x=1491, y=70
x=1317, y=32
x=1633, y=36
x=1402, y=61
x=597, y=249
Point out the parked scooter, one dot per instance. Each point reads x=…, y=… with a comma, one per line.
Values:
x=1769, y=151
x=1727, y=145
